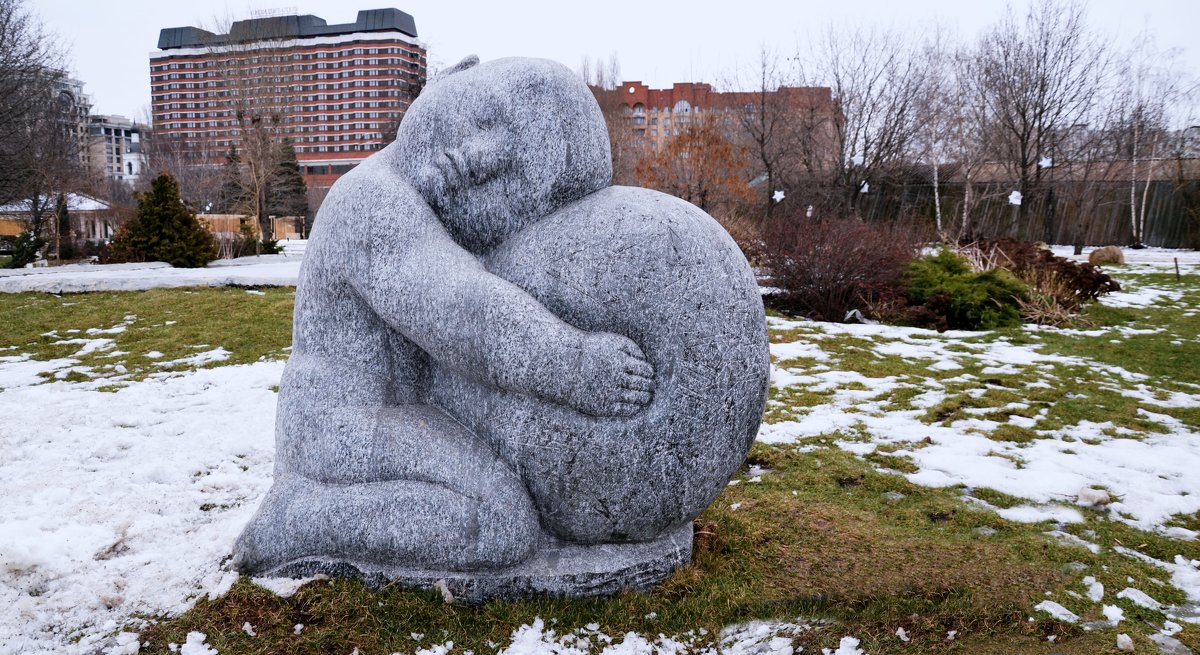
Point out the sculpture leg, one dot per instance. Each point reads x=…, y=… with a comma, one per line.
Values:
x=416, y=523
x=403, y=484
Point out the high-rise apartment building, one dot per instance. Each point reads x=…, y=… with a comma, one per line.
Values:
x=336, y=91
x=115, y=148
x=74, y=107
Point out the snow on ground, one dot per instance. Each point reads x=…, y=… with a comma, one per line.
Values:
x=1149, y=475
x=263, y=270
x=124, y=502
x=1144, y=260
x=1152, y=476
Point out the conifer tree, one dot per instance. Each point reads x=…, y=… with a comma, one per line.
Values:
x=287, y=193
x=165, y=229
x=232, y=197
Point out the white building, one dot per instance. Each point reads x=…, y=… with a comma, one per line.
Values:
x=115, y=148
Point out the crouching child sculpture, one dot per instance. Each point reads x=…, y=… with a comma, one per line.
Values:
x=506, y=373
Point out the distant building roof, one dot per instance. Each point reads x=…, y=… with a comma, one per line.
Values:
x=76, y=202
x=287, y=27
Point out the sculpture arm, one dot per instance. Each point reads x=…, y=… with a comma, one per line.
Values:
x=420, y=282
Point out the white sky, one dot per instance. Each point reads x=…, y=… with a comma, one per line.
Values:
x=656, y=42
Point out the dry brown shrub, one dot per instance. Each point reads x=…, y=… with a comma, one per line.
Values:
x=825, y=269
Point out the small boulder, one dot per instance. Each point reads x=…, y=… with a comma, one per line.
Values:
x=1107, y=255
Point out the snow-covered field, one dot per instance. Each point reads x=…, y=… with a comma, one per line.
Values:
x=1145, y=260
x=126, y=503
x=262, y=270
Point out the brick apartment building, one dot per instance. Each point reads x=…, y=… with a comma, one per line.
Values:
x=657, y=114
x=336, y=91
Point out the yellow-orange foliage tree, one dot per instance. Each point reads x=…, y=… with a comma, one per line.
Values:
x=701, y=165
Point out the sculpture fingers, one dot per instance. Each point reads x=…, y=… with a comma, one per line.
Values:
x=640, y=398
x=639, y=368
x=630, y=348
x=626, y=409
x=637, y=383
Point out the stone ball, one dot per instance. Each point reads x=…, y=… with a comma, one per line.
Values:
x=663, y=273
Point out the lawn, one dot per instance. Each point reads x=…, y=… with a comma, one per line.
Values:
x=911, y=492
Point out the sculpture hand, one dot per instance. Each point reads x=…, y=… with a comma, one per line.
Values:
x=614, y=377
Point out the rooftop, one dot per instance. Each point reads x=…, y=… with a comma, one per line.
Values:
x=287, y=27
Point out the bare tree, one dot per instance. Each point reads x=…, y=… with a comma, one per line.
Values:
x=257, y=74
x=32, y=152
x=770, y=130
x=1146, y=88
x=191, y=166
x=876, y=80
x=628, y=148
x=1037, y=76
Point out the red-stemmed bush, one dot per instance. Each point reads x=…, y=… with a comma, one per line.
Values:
x=826, y=269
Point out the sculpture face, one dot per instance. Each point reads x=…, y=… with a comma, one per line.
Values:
x=465, y=160
x=496, y=146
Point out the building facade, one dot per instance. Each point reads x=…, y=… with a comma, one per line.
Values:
x=115, y=148
x=337, y=92
x=74, y=108
x=658, y=114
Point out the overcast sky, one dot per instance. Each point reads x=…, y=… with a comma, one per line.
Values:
x=656, y=42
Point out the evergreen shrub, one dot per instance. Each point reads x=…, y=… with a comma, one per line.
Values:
x=942, y=292
x=164, y=229
x=25, y=249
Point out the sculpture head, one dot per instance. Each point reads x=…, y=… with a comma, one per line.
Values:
x=494, y=147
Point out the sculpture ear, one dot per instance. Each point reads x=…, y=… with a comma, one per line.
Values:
x=467, y=62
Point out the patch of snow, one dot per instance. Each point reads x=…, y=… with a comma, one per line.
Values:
x=1146, y=296
x=1185, y=574
x=88, y=345
x=195, y=645
x=1139, y=598
x=264, y=271
x=199, y=359
x=1113, y=613
x=286, y=587
x=1057, y=611
x=847, y=646
x=795, y=349
x=1034, y=514
x=21, y=371
x=140, y=491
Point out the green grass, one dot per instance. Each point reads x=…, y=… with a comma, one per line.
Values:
x=839, y=541
x=819, y=537
x=174, y=323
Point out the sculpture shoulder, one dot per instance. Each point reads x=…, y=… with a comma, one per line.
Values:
x=374, y=191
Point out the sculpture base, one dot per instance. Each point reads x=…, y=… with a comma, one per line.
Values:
x=556, y=569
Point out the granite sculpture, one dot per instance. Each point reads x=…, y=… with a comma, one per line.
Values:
x=507, y=374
